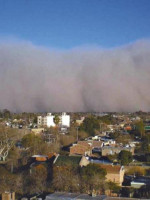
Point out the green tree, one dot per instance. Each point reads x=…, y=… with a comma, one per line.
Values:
x=113, y=187
x=6, y=113
x=56, y=120
x=107, y=119
x=33, y=142
x=66, y=179
x=36, y=182
x=139, y=127
x=125, y=157
x=145, y=147
x=90, y=124
x=92, y=177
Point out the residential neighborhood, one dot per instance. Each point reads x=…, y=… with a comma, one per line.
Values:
x=100, y=156
x=74, y=100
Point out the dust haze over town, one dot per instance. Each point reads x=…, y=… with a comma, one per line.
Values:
x=74, y=99
x=86, y=78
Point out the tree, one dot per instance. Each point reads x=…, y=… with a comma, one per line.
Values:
x=66, y=179
x=115, y=135
x=9, y=181
x=125, y=157
x=92, y=177
x=6, y=141
x=136, y=170
x=38, y=179
x=6, y=113
x=113, y=187
x=90, y=124
x=145, y=147
x=124, y=139
x=107, y=119
x=56, y=120
x=140, y=128
x=32, y=142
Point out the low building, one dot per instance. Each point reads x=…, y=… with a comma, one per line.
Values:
x=86, y=147
x=8, y=196
x=81, y=148
x=140, y=181
x=115, y=173
x=70, y=161
x=40, y=158
x=80, y=121
x=73, y=196
x=37, y=130
x=110, y=150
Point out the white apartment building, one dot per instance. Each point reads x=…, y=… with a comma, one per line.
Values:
x=46, y=120
x=64, y=120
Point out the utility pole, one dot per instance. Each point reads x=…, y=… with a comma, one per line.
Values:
x=77, y=133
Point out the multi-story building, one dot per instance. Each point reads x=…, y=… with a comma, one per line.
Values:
x=64, y=120
x=46, y=120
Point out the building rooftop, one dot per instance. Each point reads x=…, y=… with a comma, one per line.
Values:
x=115, y=169
x=67, y=160
x=73, y=196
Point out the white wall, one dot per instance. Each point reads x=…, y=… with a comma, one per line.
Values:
x=65, y=120
x=50, y=121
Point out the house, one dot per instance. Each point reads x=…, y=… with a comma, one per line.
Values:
x=73, y=196
x=81, y=148
x=8, y=196
x=115, y=173
x=110, y=150
x=85, y=147
x=127, y=127
x=73, y=161
x=40, y=158
x=37, y=130
x=102, y=160
x=80, y=121
x=31, y=197
x=140, y=181
x=108, y=141
x=42, y=161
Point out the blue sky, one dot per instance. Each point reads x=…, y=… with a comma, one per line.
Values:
x=72, y=23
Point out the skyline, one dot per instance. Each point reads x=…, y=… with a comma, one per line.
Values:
x=68, y=24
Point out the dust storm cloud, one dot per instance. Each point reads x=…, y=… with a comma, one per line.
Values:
x=34, y=78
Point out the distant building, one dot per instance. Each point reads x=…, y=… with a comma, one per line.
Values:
x=85, y=147
x=110, y=150
x=37, y=130
x=46, y=120
x=64, y=120
x=80, y=121
x=81, y=149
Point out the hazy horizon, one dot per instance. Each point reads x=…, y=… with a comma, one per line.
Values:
x=34, y=78
x=73, y=56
